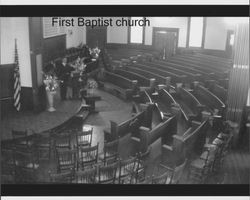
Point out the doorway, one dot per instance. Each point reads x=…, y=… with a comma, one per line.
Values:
x=229, y=43
x=165, y=41
x=96, y=37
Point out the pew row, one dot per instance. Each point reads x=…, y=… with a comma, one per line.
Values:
x=191, y=106
x=164, y=67
x=174, y=77
x=214, y=104
x=145, y=137
x=143, y=118
x=202, y=75
x=217, y=75
x=167, y=103
x=184, y=146
x=159, y=79
x=119, y=85
x=140, y=101
x=143, y=82
x=217, y=89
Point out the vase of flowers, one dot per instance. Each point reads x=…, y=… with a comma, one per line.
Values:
x=91, y=86
x=51, y=84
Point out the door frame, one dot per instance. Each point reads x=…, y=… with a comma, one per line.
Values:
x=155, y=29
x=89, y=28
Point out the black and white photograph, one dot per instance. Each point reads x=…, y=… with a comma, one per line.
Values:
x=139, y=100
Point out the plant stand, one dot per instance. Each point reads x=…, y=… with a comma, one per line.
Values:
x=50, y=97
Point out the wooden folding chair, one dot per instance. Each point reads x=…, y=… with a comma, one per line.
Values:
x=7, y=166
x=44, y=146
x=127, y=170
x=66, y=177
x=172, y=175
x=62, y=141
x=66, y=160
x=87, y=176
x=84, y=138
x=200, y=168
x=26, y=163
x=140, y=173
x=107, y=174
x=88, y=157
x=110, y=152
x=21, y=139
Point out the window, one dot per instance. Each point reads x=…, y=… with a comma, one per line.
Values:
x=196, y=31
x=231, y=42
x=136, y=32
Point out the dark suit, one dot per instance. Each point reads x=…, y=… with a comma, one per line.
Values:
x=63, y=73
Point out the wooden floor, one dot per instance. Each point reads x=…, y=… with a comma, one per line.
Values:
x=237, y=163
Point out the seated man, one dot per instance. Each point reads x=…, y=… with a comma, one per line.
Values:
x=63, y=72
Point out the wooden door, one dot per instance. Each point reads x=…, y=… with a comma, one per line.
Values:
x=165, y=41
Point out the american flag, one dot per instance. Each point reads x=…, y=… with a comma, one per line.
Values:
x=17, y=85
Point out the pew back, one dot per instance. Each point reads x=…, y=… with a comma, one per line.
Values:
x=209, y=99
x=163, y=130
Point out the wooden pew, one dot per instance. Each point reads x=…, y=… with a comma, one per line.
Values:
x=190, y=76
x=218, y=65
x=146, y=137
x=174, y=77
x=217, y=89
x=224, y=83
x=217, y=74
x=209, y=99
x=131, y=125
x=140, y=101
x=202, y=66
x=203, y=76
x=120, y=85
x=142, y=80
x=180, y=147
x=158, y=78
x=167, y=103
x=221, y=62
x=193, y=108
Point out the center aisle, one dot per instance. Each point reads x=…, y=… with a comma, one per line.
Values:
x=109, y=108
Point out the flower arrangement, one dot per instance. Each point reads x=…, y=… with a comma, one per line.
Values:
x=51, y=83
x=92, y=84
x=94, y=52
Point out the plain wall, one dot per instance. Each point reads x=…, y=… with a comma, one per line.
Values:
x=117, y=34
x=75, y=35
x=11, y=28
x=216, y=33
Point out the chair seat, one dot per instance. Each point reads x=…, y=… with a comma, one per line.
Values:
x=67, y=162
x=63, y=145
x=87, y=158
x=44, y=145
x=29, y=165
x=198, y=163
x=217, y=141
x=168, y=181
x=83, y=142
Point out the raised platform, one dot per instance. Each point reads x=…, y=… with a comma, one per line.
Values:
x=38, y=122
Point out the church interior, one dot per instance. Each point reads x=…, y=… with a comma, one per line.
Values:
x=162, y=102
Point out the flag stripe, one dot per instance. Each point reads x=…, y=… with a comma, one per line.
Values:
x=17, y=85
